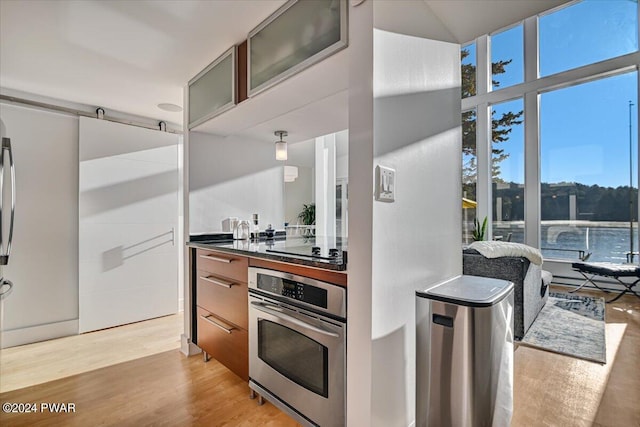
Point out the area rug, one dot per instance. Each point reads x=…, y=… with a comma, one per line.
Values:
x=572, y=325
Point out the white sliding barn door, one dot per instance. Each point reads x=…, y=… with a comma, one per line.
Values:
x=128, y=208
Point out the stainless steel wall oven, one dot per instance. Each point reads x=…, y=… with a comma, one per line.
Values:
x=297, y=345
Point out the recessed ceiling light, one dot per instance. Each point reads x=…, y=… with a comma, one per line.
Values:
x=170, y=107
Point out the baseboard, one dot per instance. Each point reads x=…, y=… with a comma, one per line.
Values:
x=39, y=333
x=187, y=347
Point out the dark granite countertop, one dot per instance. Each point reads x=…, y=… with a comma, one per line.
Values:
x=272, y=249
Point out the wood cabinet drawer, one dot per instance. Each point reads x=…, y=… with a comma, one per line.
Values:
x=228, y=299
x=230, y=347
x=223, y=264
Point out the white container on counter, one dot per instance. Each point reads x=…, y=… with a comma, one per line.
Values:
x=229, y=224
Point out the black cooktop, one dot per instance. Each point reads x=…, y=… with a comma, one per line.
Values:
x=313, y=251
x=319, y=252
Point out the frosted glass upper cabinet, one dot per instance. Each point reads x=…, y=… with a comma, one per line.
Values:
x=299, y=34
x=212, y=91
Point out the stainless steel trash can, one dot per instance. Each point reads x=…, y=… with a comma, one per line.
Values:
x=464, y=353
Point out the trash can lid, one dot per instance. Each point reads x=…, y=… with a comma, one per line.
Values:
x=470, y=291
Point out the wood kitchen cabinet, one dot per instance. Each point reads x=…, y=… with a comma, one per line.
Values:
x=221, y=313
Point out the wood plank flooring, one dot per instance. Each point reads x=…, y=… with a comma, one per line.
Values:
x=555, y=390
x=41, y=362
x=168, y=389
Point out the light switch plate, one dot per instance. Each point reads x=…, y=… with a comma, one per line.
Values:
x=385, y=184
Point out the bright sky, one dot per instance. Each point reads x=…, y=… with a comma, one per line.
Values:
x=584, y=129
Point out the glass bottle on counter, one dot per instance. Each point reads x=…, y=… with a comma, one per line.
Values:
x=256, y=227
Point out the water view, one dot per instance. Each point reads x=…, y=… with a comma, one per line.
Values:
x=595, y=241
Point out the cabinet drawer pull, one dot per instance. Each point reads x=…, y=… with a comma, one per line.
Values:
x=218, y=282
x=216, y=324
x=215, y=258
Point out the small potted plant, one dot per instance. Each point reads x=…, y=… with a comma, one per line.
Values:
x=479, y=230
x=308, y=217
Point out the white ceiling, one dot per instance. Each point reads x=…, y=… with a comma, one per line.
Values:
x=122, y=55
x=468, y=19
x=132, y=55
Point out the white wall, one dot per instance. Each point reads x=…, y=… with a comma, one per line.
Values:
x=342, y=153
x=325, y=185
x=44, y=258
x=302, y=190
x=412, y=124
x=411, y=17
x=416, y=239
x=233, y=177
x=298, y=193
x=359, y=372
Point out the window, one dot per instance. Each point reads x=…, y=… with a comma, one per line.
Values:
x=507, y=58
x=581, y=133
x=507, y=170
x=469, y=174
x=468, y=65
x=587, y=32
x=589, y=169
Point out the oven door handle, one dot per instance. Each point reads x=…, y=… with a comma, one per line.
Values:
x=269, y=309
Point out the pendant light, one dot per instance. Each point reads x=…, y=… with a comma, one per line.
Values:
x=281, y=146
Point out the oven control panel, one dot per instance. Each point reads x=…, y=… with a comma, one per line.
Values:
x=294, y=290
x=301, y=291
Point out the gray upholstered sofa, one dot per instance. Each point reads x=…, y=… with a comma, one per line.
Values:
x=530, y=294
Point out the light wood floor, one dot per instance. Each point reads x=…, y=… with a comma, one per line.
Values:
x=45, y=361
x=170, y=389
x=555, y=390
x=166, y=389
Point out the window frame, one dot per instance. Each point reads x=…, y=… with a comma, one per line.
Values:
x=530, y=90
